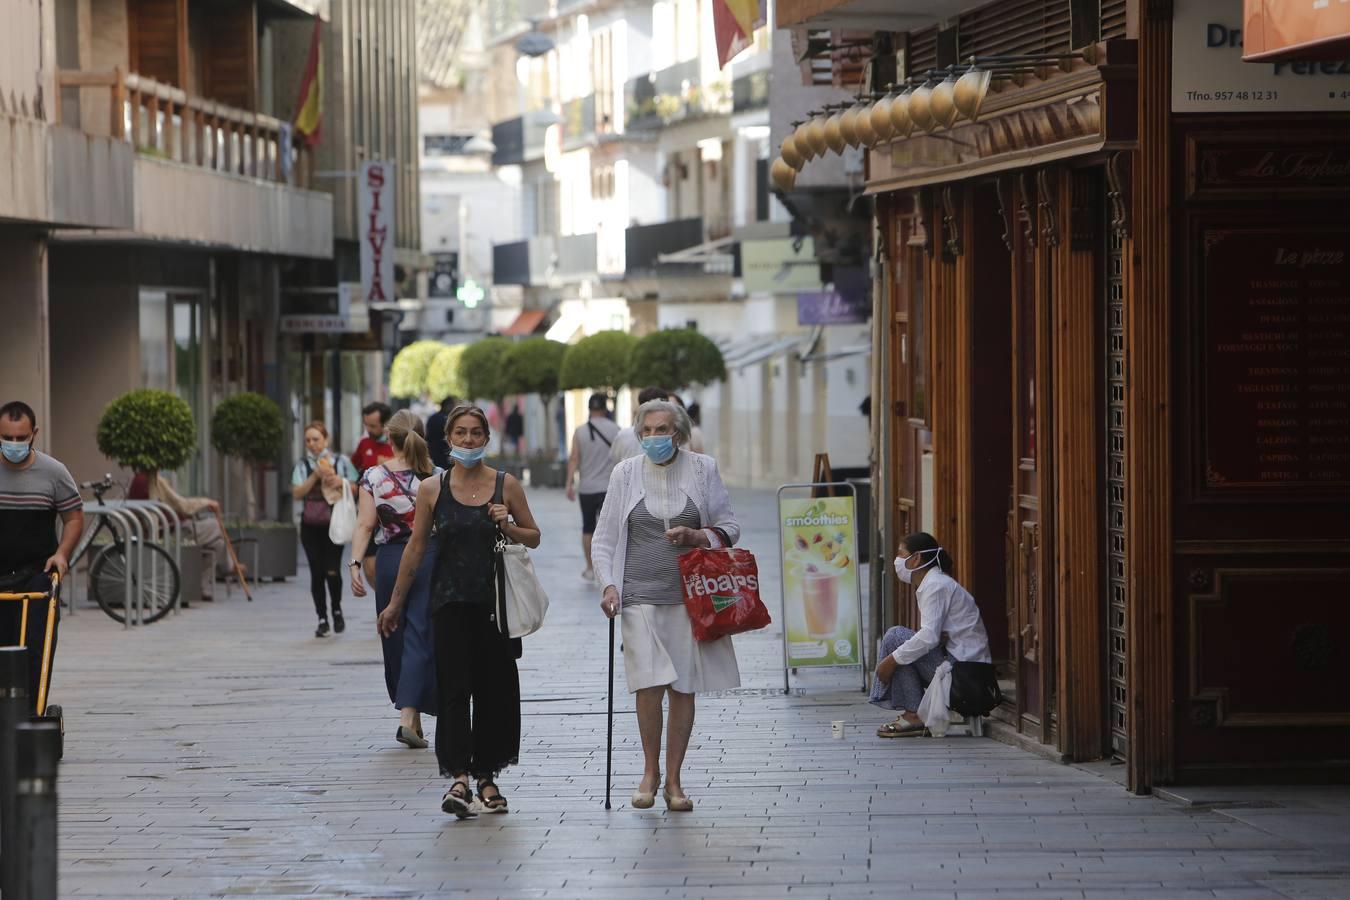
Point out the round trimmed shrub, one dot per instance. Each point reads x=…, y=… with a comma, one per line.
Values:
x=147, y=430
x=598, y=362
x=531, y=367
x=480, y=368
x=408, y=372
x=443, y=375
x=676, y=359
x=247, y=426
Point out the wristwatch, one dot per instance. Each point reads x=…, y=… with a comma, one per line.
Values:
x=355, y=562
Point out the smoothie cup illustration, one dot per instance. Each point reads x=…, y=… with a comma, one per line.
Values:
x=820, y=602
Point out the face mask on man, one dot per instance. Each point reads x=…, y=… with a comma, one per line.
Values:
x=16, y=451
x=466, y=457
x=659, y=447
x=907, y=574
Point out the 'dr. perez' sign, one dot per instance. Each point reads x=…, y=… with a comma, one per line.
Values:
x=375, y=230
x=1209, y=75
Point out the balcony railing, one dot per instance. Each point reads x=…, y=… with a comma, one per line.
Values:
x=164, y=121
x=643, y=244
x=672, y=95
x=544, y=259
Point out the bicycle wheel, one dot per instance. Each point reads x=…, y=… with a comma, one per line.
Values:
x=108, y=579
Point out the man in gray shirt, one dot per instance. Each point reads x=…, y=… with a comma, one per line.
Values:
x=35, y=491
x=591, y=457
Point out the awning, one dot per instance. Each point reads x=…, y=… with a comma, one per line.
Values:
x=711, y=255
x=526, y=323
x=742, y=353
x=841, y=353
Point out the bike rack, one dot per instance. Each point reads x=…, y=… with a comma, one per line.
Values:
x=128, y=523
x=152, y=510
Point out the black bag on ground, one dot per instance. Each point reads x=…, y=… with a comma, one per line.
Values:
x=975, y=689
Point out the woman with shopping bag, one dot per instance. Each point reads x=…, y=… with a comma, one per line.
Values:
x=388, y=506
x=660, y=506
x=472, y=508
x=950, y=630
x=320, y=480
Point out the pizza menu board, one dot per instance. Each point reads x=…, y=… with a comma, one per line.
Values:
x=1277, y=357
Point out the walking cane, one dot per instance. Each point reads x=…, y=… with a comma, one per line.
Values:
x=609, y=743
x=234, y=560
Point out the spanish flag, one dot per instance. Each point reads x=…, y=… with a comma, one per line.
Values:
x=309, y=108
x=734, y=22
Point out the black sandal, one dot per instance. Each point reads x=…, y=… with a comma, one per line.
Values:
x=459, y=802
x=495, y=803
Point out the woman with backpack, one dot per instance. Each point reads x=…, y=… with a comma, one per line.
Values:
x=950, y=630
x=387, y=506
x=316, y=481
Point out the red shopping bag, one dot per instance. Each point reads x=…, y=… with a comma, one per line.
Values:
x=721, y=592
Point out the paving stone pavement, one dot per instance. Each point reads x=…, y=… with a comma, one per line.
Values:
x=226, y=751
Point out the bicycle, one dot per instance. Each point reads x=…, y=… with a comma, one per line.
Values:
x=108, y=573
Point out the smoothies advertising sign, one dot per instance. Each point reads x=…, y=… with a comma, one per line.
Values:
x=820, y=581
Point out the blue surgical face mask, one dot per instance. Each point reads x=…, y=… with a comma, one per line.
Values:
x=659, y=447
x=466, y=457
x=16, y=451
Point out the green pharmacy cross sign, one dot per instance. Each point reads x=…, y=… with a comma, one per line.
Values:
x=470, y=293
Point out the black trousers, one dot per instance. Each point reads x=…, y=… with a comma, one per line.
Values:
x=325, y=567
x=11, y=616
x=475, y=665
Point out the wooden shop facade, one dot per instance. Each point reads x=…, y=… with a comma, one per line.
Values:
x=1112, y=333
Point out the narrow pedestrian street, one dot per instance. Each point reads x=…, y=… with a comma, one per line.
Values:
x=227, y=751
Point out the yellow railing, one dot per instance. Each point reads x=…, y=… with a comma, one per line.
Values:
x=165, y=121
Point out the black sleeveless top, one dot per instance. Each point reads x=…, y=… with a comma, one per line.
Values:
x=466, y=556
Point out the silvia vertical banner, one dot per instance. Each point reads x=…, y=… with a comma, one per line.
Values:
x=375, y=225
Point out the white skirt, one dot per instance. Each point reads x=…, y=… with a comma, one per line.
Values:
x=659, y=649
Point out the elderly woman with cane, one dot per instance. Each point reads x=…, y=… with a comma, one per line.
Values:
x=658, y=507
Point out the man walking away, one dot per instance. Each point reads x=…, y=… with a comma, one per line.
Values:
x=591, y=446
x=34, y=490
x=627, y=445
x=437, y=445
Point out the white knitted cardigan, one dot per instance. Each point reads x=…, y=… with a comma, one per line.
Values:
x=698, y=478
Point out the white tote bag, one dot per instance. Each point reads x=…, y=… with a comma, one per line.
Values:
x=342, y=523
x=521, y=601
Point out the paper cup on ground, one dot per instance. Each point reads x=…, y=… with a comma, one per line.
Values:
x=837, y=729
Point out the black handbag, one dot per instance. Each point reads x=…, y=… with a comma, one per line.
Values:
x=975, y=690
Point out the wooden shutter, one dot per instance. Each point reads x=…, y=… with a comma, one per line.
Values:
x=1018, y=26
x=1113, y=19
x=157, y=32
x=230, y=69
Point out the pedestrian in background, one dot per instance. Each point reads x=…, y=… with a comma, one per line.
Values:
x=657, y=508
x=515, y=429
x=388, y=503
x=316, y=481
x=371, y=450
x=626, y=443
x=591, y=460
x=947, y=613
x=35, y=491
x=695, y=433
x=204, y=531
x=436, y=442
x=475, y=662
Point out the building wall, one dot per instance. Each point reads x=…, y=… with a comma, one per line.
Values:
x=23, y=260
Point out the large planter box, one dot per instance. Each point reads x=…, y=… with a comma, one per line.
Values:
x=278, y=548
x=548, y=474
x=514, y=467
x=191, y=561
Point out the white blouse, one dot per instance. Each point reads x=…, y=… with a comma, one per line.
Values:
x=946, y=606
x=697, y=478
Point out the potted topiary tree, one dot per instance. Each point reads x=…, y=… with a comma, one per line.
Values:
x=531, y=367
x=443, y=374
x=408, y=373
x=676, y=359
x=599, y=362
x=248, y=427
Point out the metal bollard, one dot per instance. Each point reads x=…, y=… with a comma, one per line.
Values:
x=13, y=710
x=39, y=747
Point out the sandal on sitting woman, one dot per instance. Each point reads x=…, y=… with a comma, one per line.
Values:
x=459, y=800
x=901, y=727
x=494, y=803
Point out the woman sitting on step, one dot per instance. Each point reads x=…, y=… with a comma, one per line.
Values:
x=950, y=628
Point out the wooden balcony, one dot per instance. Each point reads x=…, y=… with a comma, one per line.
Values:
x=162, y=121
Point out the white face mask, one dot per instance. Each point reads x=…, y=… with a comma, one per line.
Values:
x=907, y=574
